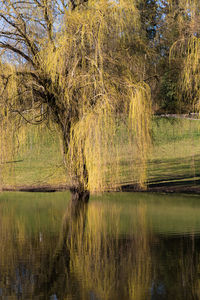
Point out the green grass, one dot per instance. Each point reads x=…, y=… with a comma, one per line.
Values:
x=174, y=155
x=38, y=161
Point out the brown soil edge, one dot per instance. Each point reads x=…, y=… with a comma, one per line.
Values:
x=36, y=188
x=170, y=187
x=166, y=189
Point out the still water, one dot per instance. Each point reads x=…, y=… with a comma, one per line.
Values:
x=121, y=246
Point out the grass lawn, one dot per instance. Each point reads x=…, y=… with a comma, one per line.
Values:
x=175, y=152
x=37, y=165
x=174, y=156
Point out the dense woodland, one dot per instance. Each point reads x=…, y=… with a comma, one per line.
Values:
x=85, y=67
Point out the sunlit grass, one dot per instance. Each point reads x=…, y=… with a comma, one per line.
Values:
x=174, y=155
x=39, y=161
x=176, y=150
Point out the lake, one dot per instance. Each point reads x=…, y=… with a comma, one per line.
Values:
x=120, y=246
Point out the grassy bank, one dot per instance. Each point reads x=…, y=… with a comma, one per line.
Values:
x=38, y=161
x=176, y=150
x=174, y=156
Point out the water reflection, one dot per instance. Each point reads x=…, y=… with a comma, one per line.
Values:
x=89, y=258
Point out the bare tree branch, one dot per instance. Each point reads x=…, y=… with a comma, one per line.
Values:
x=17, y=51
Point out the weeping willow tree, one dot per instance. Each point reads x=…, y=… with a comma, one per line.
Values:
x=8, y=140
x=186, y=50
x=189, y=83
x=80, y=67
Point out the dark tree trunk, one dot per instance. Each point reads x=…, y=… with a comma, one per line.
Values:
x=78, y=194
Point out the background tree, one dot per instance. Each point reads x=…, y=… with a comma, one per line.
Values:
x=178, y=21
x=80, y=66
x=186, y=50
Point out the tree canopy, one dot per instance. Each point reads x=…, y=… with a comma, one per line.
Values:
x=80, y=66
x=87, y=66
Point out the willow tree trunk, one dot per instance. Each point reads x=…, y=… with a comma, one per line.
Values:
x=79, y=192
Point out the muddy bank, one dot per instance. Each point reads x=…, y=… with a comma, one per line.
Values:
x=36, y=188
x=161, y=187
x=185, y=186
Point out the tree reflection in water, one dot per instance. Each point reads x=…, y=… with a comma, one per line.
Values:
x=90, y=259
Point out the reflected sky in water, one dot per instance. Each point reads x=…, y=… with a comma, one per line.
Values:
x=120, y=246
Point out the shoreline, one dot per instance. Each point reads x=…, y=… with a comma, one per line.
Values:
x=165, y=187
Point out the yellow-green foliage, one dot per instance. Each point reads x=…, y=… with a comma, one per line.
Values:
x=93, y=74
x=103, y=82
x=7, y=125
x=184, y=5
x=14, y=118
x=191, y=71
x=190, y=76
x=186, y=50
x=139, y=119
